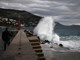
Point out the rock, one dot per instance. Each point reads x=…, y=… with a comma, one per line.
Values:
x=61, y=45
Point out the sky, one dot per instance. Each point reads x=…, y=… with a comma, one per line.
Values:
x=66, y=11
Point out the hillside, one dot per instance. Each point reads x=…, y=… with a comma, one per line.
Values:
x=67, y=30
x=25, y=17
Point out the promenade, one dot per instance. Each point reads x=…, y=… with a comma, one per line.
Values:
x=20, y=49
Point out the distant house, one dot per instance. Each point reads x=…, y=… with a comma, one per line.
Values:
x=22, y=25
x=11, y=20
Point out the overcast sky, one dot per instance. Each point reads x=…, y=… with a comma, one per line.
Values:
x=67, y=11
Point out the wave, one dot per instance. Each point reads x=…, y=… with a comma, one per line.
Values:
x=71, y=42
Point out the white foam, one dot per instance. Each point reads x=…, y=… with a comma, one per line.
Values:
x=45, y=28
x=55, y=38
x=71, y=44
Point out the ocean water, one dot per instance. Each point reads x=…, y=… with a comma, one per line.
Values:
x=71, y=42
x=69, y=38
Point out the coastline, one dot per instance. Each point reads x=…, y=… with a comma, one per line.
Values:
x=51, y=54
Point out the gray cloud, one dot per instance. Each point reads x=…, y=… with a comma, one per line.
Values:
x=67, y=11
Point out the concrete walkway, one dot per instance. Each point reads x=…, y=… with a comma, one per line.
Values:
x=20, y=49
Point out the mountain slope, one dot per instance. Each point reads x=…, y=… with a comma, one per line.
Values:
x=63, y=30
x=25, y=16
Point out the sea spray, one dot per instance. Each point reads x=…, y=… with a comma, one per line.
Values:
x=56, y=38
x=45, y=29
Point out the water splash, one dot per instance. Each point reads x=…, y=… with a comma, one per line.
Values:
x=45, y=29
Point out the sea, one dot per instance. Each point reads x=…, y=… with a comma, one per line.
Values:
x=69, y=41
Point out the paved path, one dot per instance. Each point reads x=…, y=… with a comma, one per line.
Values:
x=20, y=49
